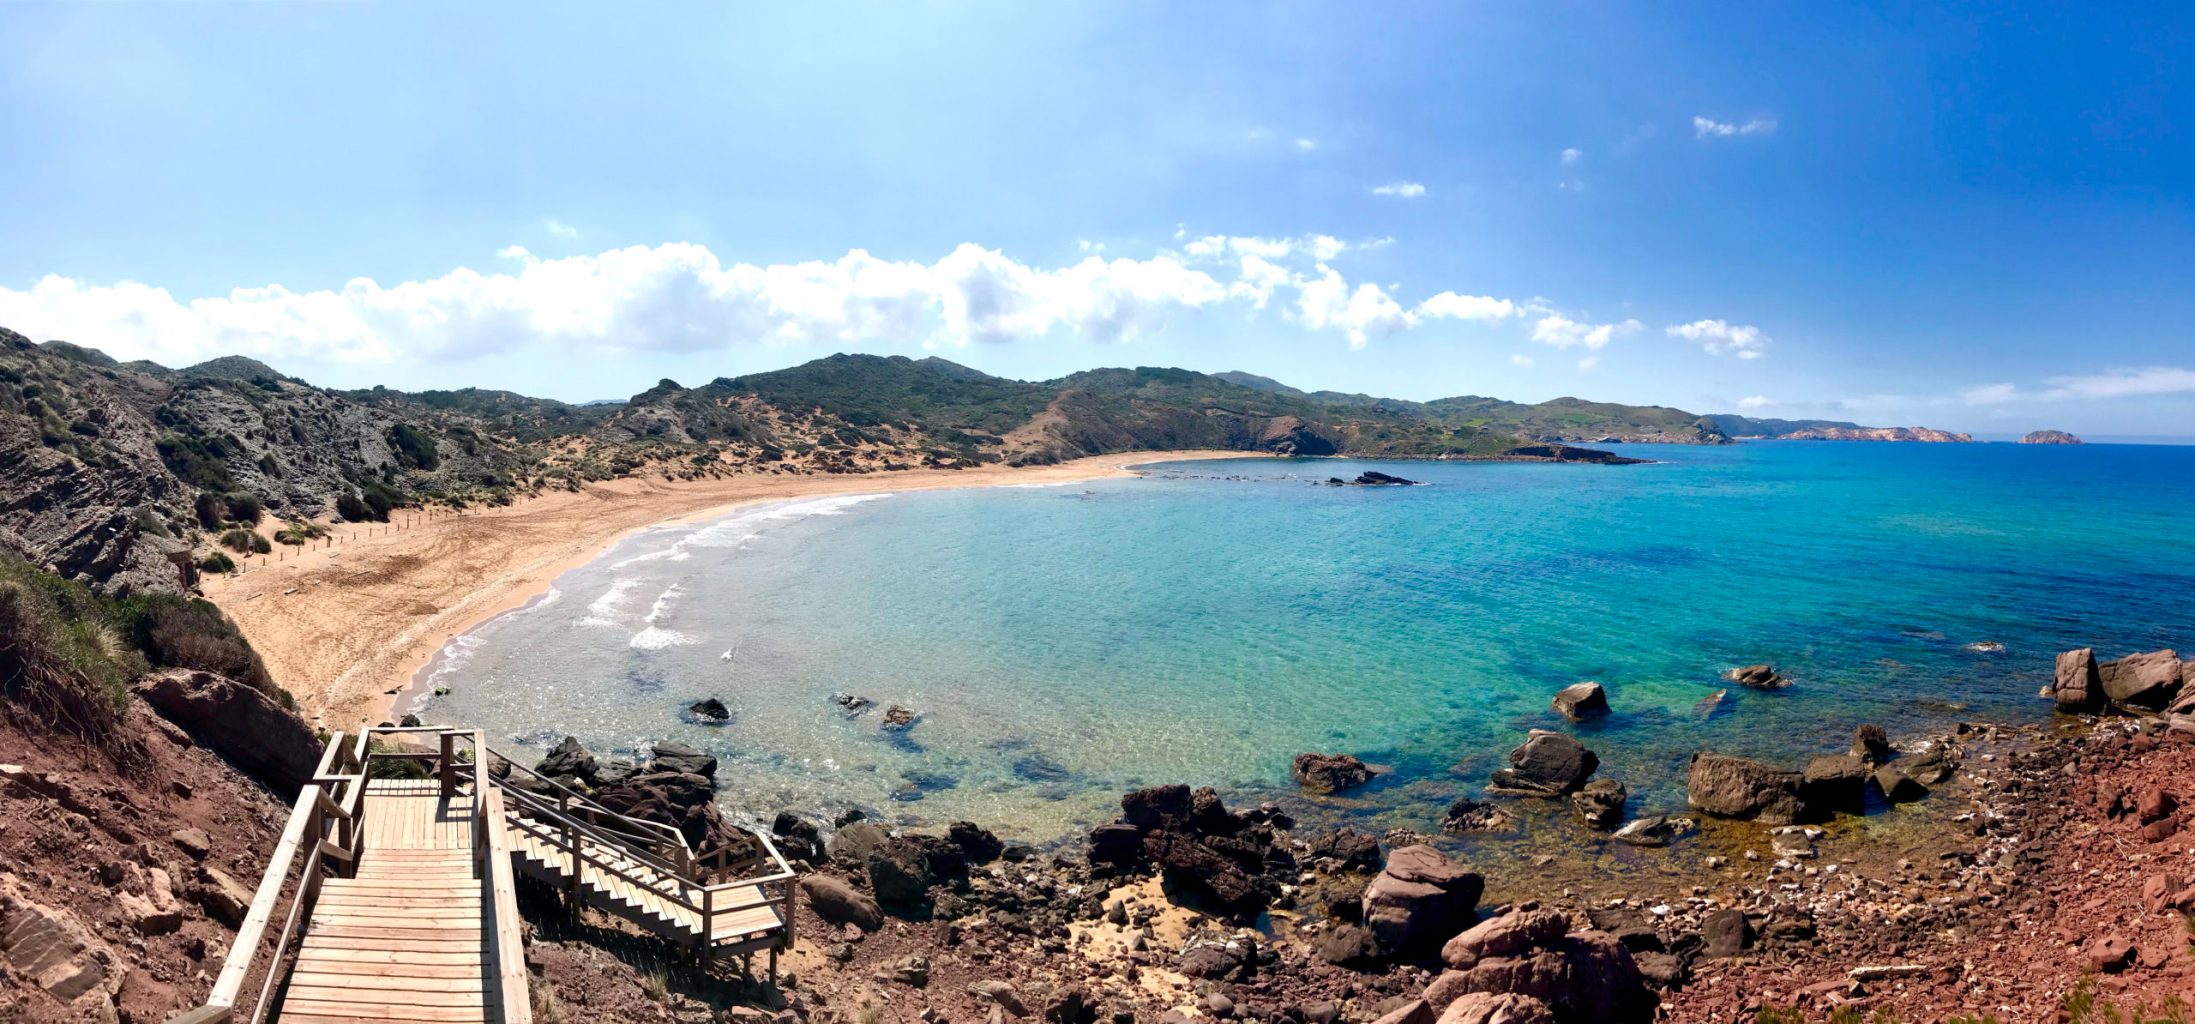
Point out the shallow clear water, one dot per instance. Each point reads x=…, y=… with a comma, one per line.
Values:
x=1206, y=623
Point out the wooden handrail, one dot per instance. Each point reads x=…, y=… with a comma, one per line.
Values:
x=510, y=953
x=537, y=806
x=643, y=823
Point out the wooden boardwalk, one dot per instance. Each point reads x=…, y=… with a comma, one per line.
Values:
x=401, y=940
x=401, y=891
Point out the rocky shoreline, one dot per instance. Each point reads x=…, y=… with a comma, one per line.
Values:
x=2025, y=868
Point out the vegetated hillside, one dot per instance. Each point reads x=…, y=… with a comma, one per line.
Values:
x=1748, y=426
x=135, y=475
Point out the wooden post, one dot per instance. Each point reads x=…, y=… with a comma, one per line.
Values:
x=449, y=764
x=708, y=925
x=571, y=839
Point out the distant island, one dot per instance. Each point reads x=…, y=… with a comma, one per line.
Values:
x=1749, y=428
x=2050, y=437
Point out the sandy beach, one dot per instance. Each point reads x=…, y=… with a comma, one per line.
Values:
x=345, y=625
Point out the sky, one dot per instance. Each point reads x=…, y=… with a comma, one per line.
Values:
x=1973, y=217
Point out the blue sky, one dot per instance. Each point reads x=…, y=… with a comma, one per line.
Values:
x=1975, y=218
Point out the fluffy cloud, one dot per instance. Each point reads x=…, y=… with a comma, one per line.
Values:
x=1589, y=362
x=677, y=297
x=1743, y=340
x=1399, y=189
x=1572, y=155
x=1484, y=308
x=1755, y=402
x=1563, y=332
x=1327, y=301
x=1708, y=128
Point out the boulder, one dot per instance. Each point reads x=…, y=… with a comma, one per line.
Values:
x=1347, y=848
x=1346, y=944
x=224, y=898
x=1546, y=764
x=1654, y=830
x=1725, y=933
x=243, y=725
x=1117, y=844
x=683, y=801
x=1758, y=677
x=54, y=950
x=672, y=756
x=979, y=845
x=1492, y=1008
x=1155, y=807
x=1871, y=744
x=1580, y=701
x=853, y=841
x=1330, y=773
x=1420, y=898
x=1601, y=802
x=1896, y=786
x=899, y=871
x=1506, y=935
x=568, y=759
x=1733, y=787
x=616, y=771
x=1837, y=782
x=1195, y=867
x=1468, y=815
x=2144, y=680
x=1931, y=764
x=710, y=710
x=1416, y=1011
x=838, y=902
x=801, y=838
x=899, y=718
x=2079, y=685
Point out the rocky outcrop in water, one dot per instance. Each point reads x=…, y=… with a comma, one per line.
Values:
x=1330, y=773
x=1546, y=764
x=2050, y=437
x=1757, y=677
x=1581, y=701
x=1733, y=787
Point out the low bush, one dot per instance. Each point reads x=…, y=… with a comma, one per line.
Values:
x=245, y=541
x=216, y=561
x=62, y=657
x=180, y=632
x=245, y=508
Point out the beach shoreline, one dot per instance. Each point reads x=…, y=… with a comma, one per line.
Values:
x=347, y=624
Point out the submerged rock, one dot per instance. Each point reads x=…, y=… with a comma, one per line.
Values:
x=673, y=756
x=899, y=718
x=1709, y=704
x=1581, y=701
x=1601, y=802
x=711, y=710
x=1468, y=815
x=1330, y=773
x=1837, y=782
x=1871, y=744
x=1758, y=677
x=1654, y=830
x=1546, y=764
x=1733, y=787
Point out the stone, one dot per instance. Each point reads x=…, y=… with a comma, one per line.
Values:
x=1000, y=994
x=852, y=842
x=1837, y=782
x=1506, y=935
x=1330, y=773
x=2078, y=685
x=1581, y=701
x=1117, y=844
x=1758, y=677
x=1348, y=849
x=148, y=915
x=899, y=718
x=1347, y=944
x=710, y=710
x=801, y=839
x=616, y=771
x=1930, y=765
x=193, y=841
x=682, y=800
x=899, y=871
x=1653, y=830
x=568, y=759
x=839, y=903
x=1546, y=764
x=1421, y=897
x=1155, y=807
x=1725, y=933
x=1601, y=802
x=1468, y=815
x=978, y=844
x=223, y=898
x=1896, y=786
x=54, y=950
x=1496, y=1008
x=912, y=970
x=1416, y=1011
x=243, y=725
x=1733, y=787
x=2109, y=954
x=672, y=756
x=1193, y=865
x=1870, y=743
x=1071, y=1005
x=2144, y=680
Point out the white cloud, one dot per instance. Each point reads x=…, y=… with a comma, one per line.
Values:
x=1755, y=402
x=1563, y=332
x=1572, y=155
x=678, y=297
x=1087, y=245
x=2153, y=380
x=1360, y=314
x=1703, y=127
x=1468, y=307
x=560, y=229
x=1717, y=337
x=1317, y=247
x=1520, y=359
x=1989, y=394
x=1306, y=145
x=1399, y=189
x=1589, y=362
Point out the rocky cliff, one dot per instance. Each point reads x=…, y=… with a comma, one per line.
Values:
x=2050, y=437
x=1923, y=434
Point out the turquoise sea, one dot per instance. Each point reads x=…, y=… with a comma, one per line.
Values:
x=1210, y=620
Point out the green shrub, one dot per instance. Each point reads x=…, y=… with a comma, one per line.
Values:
x=242, y=541
x=297, y=531
x=217, y=562
x=182, y=632
x=209, y=508
x=197, y=462
x=245, y=508
x=413, y=449
x=62, y=657
x=351, y=507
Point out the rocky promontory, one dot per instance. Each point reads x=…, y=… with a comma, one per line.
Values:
x=2050, y=437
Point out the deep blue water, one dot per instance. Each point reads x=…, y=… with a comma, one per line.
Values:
x=1208, y=622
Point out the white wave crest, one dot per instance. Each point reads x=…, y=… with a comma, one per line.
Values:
x=602, y=611
x=656, y=638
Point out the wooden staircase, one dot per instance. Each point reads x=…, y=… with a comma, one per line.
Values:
x=741, y=917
